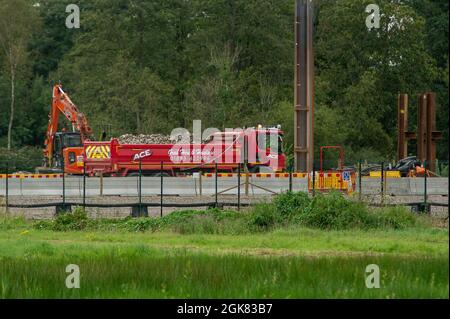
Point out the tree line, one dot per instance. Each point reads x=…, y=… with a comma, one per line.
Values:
x=148, y=66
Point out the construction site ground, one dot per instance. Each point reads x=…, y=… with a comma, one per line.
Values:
x=121, y=212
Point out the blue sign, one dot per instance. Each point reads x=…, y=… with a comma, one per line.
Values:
x=346, y=176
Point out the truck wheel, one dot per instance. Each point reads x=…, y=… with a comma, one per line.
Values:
x=133, y=174
x=254, y=170
x=159, y=174
x=261, y=169
x=266, y=170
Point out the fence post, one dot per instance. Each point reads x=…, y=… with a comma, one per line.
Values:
x=84, y=184
x=7, y=188
x=290, y=179
x=247, y=173
x=382, y=183
x=313, y=180
x=216, y=174
x=140, y=187
x=239, y=187
x=64, y=182
x=162, y=187
x=359, y=181
x=425, y=191
x=247, y=182
x=200, y=186
x=101, y=183
x=448, y=190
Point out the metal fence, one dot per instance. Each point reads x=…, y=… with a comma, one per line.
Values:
x=374, y=183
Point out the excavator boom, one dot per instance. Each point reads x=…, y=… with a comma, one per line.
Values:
x=62, y=104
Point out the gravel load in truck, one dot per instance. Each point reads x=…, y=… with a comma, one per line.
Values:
x=145, y=139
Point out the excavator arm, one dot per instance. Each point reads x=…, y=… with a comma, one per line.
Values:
x=61, y=103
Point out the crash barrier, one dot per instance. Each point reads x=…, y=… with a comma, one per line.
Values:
x=258, y=175
x=214, y=184
x=323, y=181
x=344, y=181
x=390, y=174
x=38, y=176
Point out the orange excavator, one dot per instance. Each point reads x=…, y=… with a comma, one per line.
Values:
x=64, y=150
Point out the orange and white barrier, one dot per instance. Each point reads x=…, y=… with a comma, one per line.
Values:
x=326, y=181
x=36, y=176
x=258, y=175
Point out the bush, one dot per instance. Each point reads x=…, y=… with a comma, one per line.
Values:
x=263, y=216
x=334, y=211
x=325, y=211
x=443, y=170
x=397, y=217
x=290, y=203
x=22, y=159
x=77, y=220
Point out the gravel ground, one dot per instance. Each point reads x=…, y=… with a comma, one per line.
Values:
x=119, y=212
x=44, y=213
x=437, y=211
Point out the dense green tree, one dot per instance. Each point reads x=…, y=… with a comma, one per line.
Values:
x=435, y=13
x=54, y=40
x=148, y=66
x=17, y=21
x=361, y=71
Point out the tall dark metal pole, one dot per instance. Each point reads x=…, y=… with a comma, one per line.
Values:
x=430, y=124
x=427, y=135
x=421, y=128
x=431, y=133
x=304, y=87
x=402, y=119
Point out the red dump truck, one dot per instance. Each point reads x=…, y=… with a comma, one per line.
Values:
x=75, y=153
x=261, y=149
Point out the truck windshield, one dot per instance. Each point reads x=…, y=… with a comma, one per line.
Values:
x=275, y=146
x=72, y=140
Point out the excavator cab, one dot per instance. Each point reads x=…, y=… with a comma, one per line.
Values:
x=62, y=141
x=67, y=151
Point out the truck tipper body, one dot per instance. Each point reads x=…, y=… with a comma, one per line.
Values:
x=226, y=151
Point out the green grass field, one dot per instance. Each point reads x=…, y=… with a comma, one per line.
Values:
x=293, y=248
x=284, y=263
